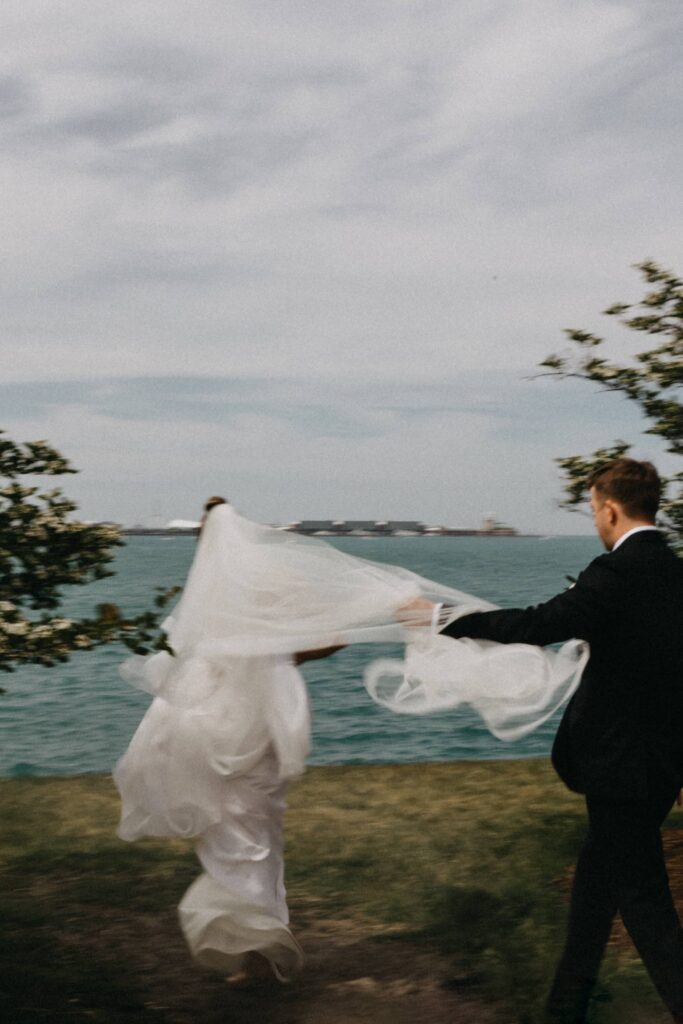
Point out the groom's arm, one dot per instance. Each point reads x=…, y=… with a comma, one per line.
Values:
x=579, y=612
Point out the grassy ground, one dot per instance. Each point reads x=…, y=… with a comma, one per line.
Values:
x=470, y=861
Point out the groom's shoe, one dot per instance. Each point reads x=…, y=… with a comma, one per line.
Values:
x=568, y=1001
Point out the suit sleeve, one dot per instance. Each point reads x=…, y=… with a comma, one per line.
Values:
x=579, y=612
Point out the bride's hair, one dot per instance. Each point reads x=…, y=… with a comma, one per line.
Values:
x=212, y=502
x=208, y=505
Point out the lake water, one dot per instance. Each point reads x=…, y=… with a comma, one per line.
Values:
x=80, y=716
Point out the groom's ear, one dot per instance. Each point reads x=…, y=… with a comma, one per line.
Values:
x=613, y=510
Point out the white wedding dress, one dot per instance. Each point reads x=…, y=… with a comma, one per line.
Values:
x=229, y=723
x=217, y=770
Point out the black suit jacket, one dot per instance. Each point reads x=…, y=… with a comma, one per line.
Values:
x=622, y=731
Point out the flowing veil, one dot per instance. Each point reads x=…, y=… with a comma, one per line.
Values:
x=257, y=592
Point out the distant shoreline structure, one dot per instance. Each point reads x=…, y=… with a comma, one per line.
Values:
x=343, y=528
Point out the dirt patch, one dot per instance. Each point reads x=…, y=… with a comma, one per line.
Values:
x=354, y=973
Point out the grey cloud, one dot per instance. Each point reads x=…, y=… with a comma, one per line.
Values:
x=211, y=162
x=246, y=127
x=238, y=135
x=38, y=136
x=207, y=398
x=114, y=124
x=329, y=409
x=136, y=268
x=150, y=63
x=16, y=96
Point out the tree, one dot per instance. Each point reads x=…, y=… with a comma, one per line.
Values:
x=653, y=382
x=44, y=550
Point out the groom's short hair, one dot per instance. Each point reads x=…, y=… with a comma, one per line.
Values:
x=635, y=485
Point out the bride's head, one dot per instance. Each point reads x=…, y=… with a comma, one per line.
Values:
x=212, y=502
x=209, y=504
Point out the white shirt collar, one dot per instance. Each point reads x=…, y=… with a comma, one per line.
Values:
x=629, y=533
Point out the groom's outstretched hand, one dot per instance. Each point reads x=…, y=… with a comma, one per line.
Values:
x=417, y=612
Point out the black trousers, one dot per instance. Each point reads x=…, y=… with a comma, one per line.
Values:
x=620, y=870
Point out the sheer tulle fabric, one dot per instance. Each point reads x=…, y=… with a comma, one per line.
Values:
x=229, y=723
x=514, y=687
x=254, y=592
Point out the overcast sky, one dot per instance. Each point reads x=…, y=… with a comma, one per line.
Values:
x=308, y=253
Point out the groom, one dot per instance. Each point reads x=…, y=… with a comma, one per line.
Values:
x=620, y=742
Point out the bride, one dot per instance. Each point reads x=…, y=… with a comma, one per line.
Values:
x=229, y=724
